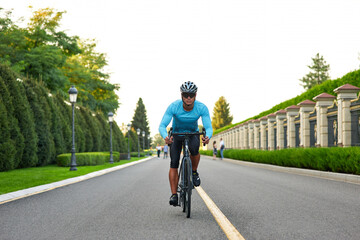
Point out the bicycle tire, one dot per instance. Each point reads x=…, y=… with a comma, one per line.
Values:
x=188, y=188
x=183, y=175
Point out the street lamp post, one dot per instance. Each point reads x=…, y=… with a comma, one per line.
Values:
x=73, y=95
x=138, y=133
x=148, y=137
x=129, y=128
x=143, y=135
x=111, y=118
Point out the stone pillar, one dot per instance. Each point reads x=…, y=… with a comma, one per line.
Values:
x=241, y=130
x=323, y=101
x=227, y=141
x=263, y=122
x=306, y=107
x=280, y=117
x=230, y=138
x=246, y=136
x=345, y=93
x=271, y=120
x=238, y=137
x=251, y=134
x=291, y=113
x=234, y=137
x=256, y=134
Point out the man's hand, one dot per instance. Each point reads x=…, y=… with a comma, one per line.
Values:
x=169, y=141
x=205, y=140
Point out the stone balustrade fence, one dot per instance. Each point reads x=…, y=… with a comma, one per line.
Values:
x=327, y=121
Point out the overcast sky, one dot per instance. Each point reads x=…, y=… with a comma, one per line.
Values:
x=251, y=52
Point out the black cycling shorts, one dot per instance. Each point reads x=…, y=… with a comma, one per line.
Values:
x=176, y=147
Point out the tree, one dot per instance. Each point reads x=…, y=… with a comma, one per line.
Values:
x=158, y=140
x=15, y=133
x=48, y=48
x=22, y=112
x=7, y=145
x=86, y=71
x=41, y=110
x=319, y=73
x=140, y=121
x=221, y=114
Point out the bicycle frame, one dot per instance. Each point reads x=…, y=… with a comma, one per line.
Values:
x=185, y=179
x=185, y=176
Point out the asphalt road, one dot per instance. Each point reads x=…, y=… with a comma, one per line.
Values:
x=132, y=203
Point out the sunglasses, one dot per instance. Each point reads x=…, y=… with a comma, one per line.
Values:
x=186, y=95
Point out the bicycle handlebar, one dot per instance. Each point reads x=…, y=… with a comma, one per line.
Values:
x=171, y=133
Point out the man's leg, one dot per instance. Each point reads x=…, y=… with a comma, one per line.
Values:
x=173, y=179
x=195, y=161
x=175, y=150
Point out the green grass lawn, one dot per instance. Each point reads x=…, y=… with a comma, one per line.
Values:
x=18, y=179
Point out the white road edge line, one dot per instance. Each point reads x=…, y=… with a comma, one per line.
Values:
x=230, y=231
x=12, y=196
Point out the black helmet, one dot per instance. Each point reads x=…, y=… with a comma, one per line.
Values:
x=188, y=87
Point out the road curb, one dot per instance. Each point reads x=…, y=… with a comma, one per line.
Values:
x=349, y=178
x=8, y=197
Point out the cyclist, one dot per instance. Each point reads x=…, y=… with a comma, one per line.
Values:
x=184, y=114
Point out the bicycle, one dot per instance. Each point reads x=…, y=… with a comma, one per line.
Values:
x=186, y=185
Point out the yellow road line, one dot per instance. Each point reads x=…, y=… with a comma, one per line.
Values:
x=229, y=229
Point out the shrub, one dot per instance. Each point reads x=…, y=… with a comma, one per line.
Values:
x=87, y=158
x=344, y=160
x=135, y=154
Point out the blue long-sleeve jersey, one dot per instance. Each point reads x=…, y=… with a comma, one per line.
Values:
x=184, y=121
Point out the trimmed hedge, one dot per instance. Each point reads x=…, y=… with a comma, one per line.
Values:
x=87, y=158
x=342, y=160
x=135, y=154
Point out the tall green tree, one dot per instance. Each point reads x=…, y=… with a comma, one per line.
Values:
x=319, y=73
x=15, y=133
x=86, y=71
x=22, y=112
x=65, y=120
x=41, y=111
x=48, y=48
x=45, y=53
x=140, y=121
x=12, y=42
x=221, y=114
x=7, y=145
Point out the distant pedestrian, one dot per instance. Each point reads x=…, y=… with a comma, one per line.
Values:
x=222, y=147
x=214, y=150
x=158, y=147
x=166, y=149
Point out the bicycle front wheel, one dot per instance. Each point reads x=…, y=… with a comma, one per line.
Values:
x=189, y=186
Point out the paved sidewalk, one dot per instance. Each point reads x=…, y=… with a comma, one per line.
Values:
x=8, y=197
x=350, y=178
